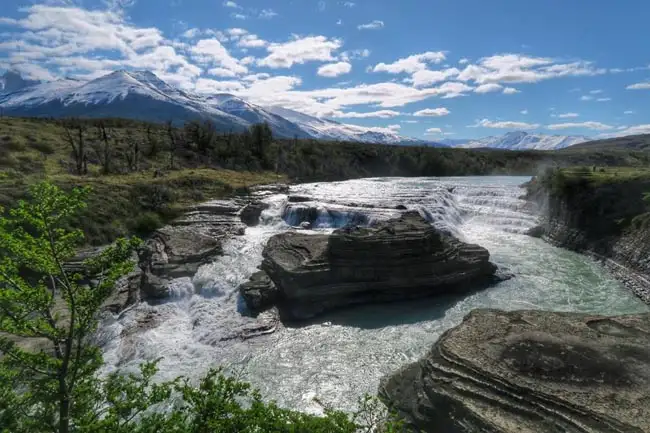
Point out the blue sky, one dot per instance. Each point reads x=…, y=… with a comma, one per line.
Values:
x=428, y=69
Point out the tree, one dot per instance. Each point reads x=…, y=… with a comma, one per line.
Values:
x=173, y=143
x=104, y=151
x=43, y=303
x=261, y=137
x=74, y=135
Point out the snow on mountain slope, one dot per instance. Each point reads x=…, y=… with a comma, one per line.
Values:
x=519, y=140
x=330, y=130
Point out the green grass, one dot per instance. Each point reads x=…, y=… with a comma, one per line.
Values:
x=602, y=175
x=121, y=203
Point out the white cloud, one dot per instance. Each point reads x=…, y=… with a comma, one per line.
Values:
x=409, y=121
x=238, y=16
x=639, y=86
x=510, y=91
x=339, y=22
x=487, y=88
x=451, y=89
x=485, y=123
x=206, y=85
x=432, y=112
x=299, y=51
x=374, y=25
x=427, y=77
x=433, y=131
x=463, y=61
x=629, y=112
x=221, y=72
x=411, y=64
x=231, y=4
x=382, y=114
x=516, y=68
x=251, y=41
x=349, y=4
x=596, y=92
x=212, y=51
x=268, y=14
x=567, y=115
x=394, y=128
x=587, y=125
x=334, y=69
x=355, y=54
x=604, y=99
x=586, y=98
x=236, y=32
x=524, y=112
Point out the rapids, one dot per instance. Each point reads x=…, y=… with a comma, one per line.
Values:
x=341, y=356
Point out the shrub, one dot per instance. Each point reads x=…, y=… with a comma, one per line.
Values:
x=147, y=223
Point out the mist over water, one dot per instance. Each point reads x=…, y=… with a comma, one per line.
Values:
x=342, y=355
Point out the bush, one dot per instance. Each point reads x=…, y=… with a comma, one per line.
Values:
x=147, y=223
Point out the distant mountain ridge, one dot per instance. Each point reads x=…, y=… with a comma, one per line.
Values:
x=519, y=140
x=144, y=96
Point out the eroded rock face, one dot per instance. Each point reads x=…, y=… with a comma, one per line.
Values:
x=178, y=250
x=398, y=259
x=530, y=371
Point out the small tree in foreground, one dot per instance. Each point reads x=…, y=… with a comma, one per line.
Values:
x=49, y=363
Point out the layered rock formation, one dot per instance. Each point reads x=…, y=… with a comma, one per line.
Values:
x=530, y=372
x=406, y=257
x=600, y=213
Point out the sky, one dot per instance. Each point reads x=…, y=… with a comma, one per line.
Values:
x=429, y=69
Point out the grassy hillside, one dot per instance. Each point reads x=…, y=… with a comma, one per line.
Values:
x=123, y=201
x=143, y=174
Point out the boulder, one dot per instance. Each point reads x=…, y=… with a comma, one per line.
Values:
x=250, y=214
x=398, y=259
x=530, y=371
x=259, y=292
x=298, y=199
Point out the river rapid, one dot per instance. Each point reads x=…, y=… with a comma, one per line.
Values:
x=341, y=356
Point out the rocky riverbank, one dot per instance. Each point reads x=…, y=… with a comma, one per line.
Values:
x=603, y=213
x=530, y=371
x=403, y=258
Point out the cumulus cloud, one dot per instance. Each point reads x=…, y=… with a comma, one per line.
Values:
x=487, y=88
x=231, y=4
x=639, y=86
x=267, y=14
x=355, y=54
x=251, y=41
x=636, y=130
x=432, y=112
x=510, y=91
x=604, y=99
x=381, y=114
x=334, y=69
x=567, y=115
x=595, y=92
x=463, y=61
x=349, y=4
x=238, y=16
x=411, y=64
x=524, y=112
x=517, y=68
x=373, y=25
x=485, y=123
x=586, y=98
x=300, y=50
x=433, y=131
x=212, y=51
x=587, y=125
x=427, y=77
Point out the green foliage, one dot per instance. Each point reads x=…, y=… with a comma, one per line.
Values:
x=147, y=223
x=40, y=300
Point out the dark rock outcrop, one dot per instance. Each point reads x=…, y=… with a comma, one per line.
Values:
x=250, y=214
x=397, y=259
x=530, y=371
x=607, y=219
x=193, y=240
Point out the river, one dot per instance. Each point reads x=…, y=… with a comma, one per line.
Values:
x=343, y=355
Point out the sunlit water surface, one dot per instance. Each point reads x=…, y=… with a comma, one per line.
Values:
x=344, y=354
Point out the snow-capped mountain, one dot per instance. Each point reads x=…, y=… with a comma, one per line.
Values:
x=12, y=81
x=142, y=95
x=519, y=140
x=325, y=129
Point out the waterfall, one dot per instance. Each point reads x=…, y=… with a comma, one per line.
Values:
x=344, y=357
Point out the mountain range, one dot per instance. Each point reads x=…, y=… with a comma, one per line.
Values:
x=142, y=95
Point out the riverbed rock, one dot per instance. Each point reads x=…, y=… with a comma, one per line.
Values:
x=532, y=372
x=250, y=214
x=178, y=250
x=397, y=259
x=259, y=292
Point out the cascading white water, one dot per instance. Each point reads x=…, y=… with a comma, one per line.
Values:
x=345, y=353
